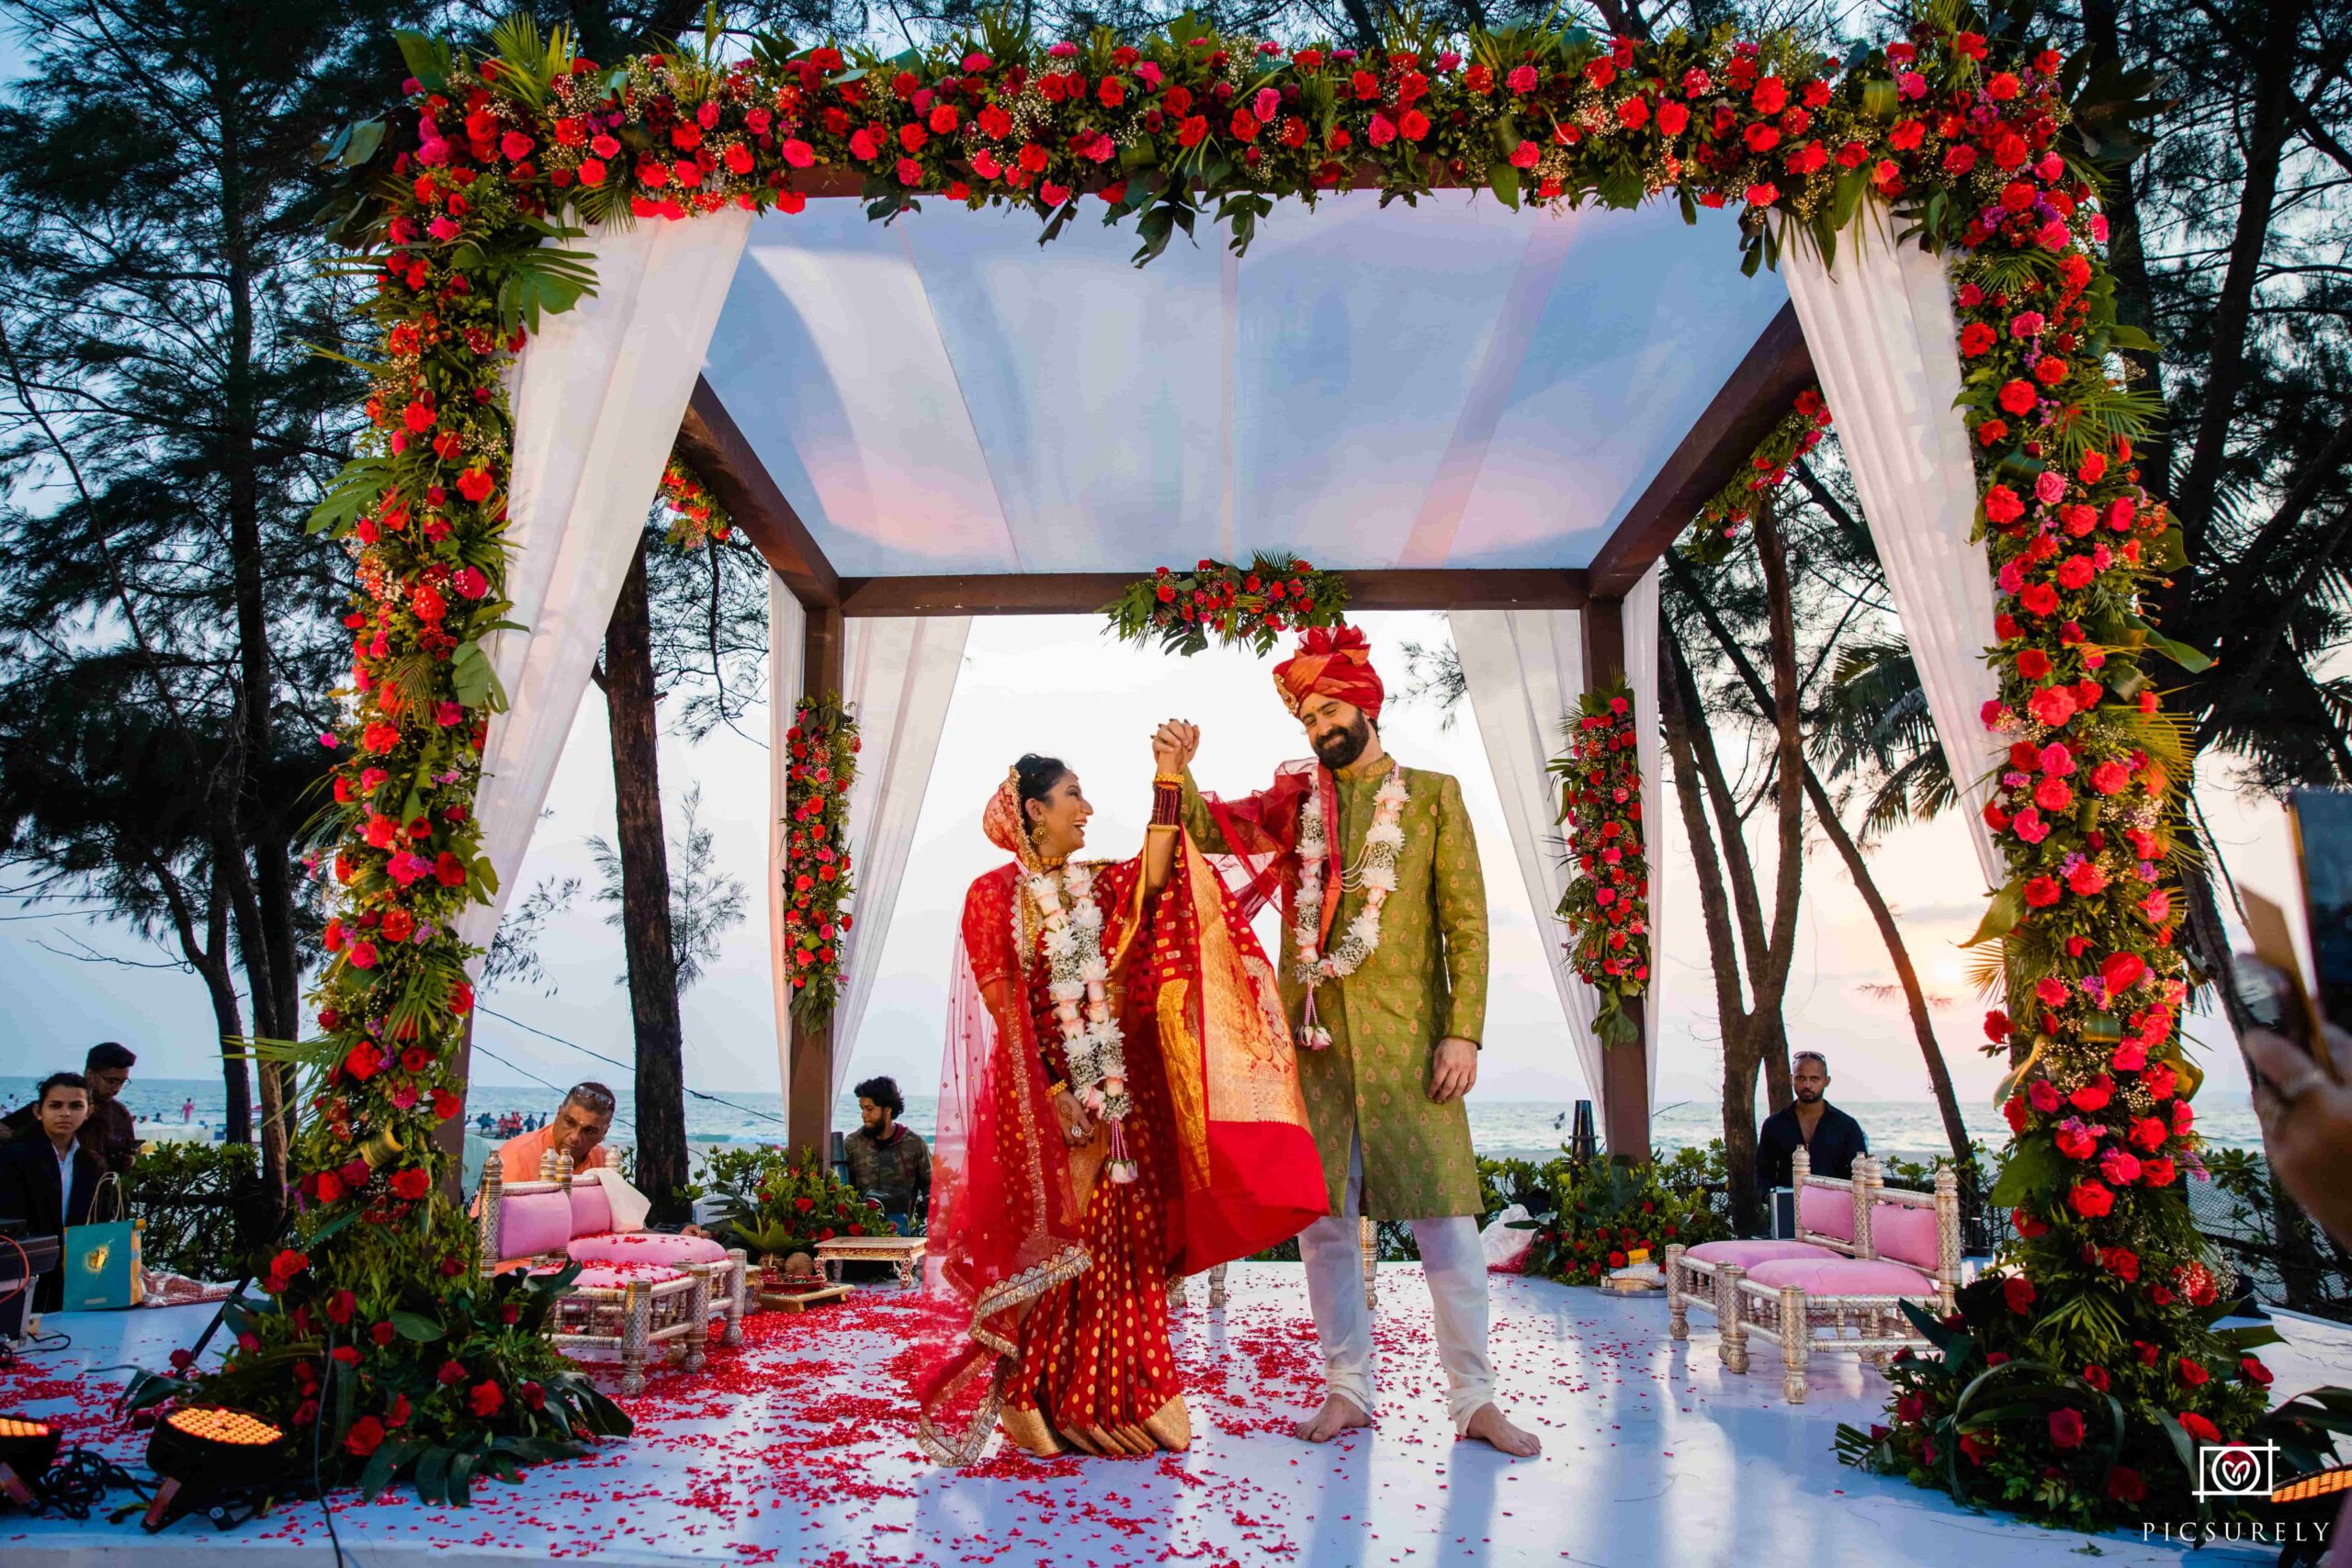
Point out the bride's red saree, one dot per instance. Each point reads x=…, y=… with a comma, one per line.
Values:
x=1058, y=1276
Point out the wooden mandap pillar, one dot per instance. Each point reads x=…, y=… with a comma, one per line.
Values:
x=809, y=1098
x=1624, y=1070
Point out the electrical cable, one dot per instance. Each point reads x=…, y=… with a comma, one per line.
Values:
x=613, y=1061
x=318, y=1425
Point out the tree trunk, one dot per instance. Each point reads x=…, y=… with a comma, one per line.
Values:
x=1679, y=707
x=238, y=1122
x=1772, y=985
x=1825, y=812
x=2127, y=259
x=630, y=699
x=2273, y=90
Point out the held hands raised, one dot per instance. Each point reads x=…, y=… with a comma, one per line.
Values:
x=1173, y=744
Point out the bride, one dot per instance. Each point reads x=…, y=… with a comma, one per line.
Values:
x=1118, y=1107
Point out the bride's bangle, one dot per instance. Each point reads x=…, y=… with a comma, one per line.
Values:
x=1055, y=1090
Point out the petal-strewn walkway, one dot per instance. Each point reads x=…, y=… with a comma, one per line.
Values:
x=799, y=1449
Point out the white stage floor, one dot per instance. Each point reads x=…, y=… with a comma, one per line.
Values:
x=797, y=1449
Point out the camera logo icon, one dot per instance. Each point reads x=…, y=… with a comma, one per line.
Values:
x=2234, y=1470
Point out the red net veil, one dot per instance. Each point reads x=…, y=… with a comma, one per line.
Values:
x=1004, y=1219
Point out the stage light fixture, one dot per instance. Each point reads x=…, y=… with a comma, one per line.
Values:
x=201, y=1452
x=26, y=1450
x=2318, y=1484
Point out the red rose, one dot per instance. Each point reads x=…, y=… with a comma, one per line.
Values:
x=2016, y=1293
x=367, y=1435
x=412, y=1184
x=2040, y=892
x=2254, y=1371
x=2192, y=1373
x=487, y=1398
x=2066, y=1429
x=2198, y=1428
x=381, y=1333
x=2124, y=1485
x=2090, y=1198
x=2018, y=397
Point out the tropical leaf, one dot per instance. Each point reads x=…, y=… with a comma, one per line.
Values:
x=351, y=493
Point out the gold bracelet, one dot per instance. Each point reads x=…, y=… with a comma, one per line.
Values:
x=1176, y=779
x=1052, y=1089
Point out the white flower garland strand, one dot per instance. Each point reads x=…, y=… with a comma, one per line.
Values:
x=1382, y=842
x=1079, y=981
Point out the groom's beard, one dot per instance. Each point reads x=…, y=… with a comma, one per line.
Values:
x=1338, y=747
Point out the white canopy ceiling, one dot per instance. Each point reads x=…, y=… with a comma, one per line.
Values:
x=1448, y=384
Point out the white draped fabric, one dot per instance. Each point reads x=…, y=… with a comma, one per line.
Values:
x=597, y=395
x=900, y=675
x=1885, y=344
x=1641, y=620
x=1525, y=671
x=787, y=651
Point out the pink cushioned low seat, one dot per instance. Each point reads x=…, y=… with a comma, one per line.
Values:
x=613, y=1278
x=592, y=1209
x=645, y=1246
x=1905, y=1233
x=1825, y=1211
x=1844, y=1277
x=1748, y=1254
x=533, y=1223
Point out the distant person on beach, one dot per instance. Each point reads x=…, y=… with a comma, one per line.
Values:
x=188, y=1111
x=1830, y=1138
x=107, y=1131
x=578, y=1130
x=886, y=1162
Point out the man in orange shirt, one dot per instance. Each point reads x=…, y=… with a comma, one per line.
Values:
x=578, y=1130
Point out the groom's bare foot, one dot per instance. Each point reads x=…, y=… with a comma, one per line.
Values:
x=1489, y=1427
x=1338, y=1414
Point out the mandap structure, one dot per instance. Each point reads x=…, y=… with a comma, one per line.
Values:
x=1498, y=318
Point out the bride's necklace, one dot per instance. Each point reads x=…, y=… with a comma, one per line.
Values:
x=1374, y=871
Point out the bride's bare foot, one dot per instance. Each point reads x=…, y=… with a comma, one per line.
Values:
x=1489, y=1427
x=1338, y=1414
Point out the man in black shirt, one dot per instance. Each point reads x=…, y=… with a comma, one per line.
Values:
x=1829, y=1136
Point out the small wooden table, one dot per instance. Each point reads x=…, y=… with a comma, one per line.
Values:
x=902, y=1253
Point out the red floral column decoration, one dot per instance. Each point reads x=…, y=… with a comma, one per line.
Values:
x=1607, y=907
x=817, y=874
x=1242, y=606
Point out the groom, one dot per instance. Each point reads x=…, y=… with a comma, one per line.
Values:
x=1382, y=905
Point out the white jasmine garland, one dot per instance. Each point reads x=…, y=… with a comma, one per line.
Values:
x=1078, y=983
x=1357, y=942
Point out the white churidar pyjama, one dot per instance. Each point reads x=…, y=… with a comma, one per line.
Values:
x=1333, y=1250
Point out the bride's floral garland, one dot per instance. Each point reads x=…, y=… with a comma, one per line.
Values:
x=1382, y=842
x=1079, y=980
x=1607, y=905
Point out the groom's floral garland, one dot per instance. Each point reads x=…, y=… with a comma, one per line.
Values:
x=1382, y=842
x=821, y=751
x=1970, y=141
x=1607, y=905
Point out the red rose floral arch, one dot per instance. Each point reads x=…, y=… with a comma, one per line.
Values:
x=1984, y=144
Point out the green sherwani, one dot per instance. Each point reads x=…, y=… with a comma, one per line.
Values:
x=1426, y=980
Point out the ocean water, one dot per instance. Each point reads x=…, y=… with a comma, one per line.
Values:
x=1524, y=1129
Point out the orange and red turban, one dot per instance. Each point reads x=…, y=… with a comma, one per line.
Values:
x=1331, y=663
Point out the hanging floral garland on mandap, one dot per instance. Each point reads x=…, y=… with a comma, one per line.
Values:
x=1607, y=905
x=696, y=517
x=459, y=211
x=1242, y=607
